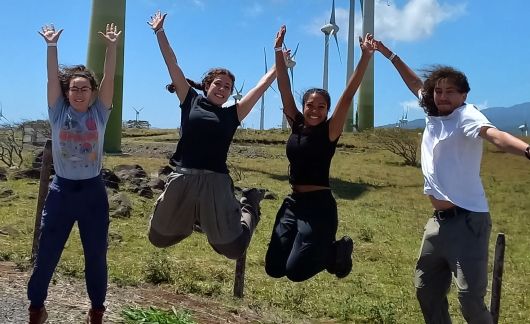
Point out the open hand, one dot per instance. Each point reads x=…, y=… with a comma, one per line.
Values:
x=157, y=20
x=111, y=33
x=367, y=44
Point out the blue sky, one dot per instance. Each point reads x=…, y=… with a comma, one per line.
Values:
x=488, y=40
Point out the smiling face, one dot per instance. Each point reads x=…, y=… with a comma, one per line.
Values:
x=220, y=89
x=447, y=96
x=315, y=109
x=80, y=93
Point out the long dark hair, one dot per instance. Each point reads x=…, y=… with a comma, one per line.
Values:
x=432, y=76
x=207, y=79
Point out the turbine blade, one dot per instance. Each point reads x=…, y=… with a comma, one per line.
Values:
x=241, y=89
x=265, y=55
x=332, y=18
x=295, y=50
x=361, y=2
x=338, y=49
x=292, y=77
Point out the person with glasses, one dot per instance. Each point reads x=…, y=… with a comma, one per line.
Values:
x=200, y=190
x=456, y=237
x=78, y=113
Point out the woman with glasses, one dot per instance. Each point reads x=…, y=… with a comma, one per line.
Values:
x=78, y=113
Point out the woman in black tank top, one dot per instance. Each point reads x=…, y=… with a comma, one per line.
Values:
x=303, y=238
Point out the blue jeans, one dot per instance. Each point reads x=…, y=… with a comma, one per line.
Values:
x=454, y=245
x=302, y=239
x=68, y=201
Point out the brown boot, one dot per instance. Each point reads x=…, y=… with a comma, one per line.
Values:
x=95, y=316
x=37, y=315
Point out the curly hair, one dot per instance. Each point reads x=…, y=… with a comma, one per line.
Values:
x=432, y=76
x=207, y=79
x=67, y=73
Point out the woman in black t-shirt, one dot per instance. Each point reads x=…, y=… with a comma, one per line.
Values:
x=200, y=190
x=303, y=238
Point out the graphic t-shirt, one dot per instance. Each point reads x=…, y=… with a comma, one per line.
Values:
x=77, y=139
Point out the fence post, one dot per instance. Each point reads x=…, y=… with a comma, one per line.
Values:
x=496, y=282
x=239, y=278
x=45, y=171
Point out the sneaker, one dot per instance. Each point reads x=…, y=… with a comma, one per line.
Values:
x=343, y=259
x=95, y=316
x=253, y=197
x=37, y=315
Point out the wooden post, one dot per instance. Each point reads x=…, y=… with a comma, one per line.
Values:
x=496, y=282
x=45, y=171
x=239, y=278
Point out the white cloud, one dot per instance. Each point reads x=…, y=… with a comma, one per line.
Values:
x=417, y=19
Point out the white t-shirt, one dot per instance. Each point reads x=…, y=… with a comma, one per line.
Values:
x=451, y=152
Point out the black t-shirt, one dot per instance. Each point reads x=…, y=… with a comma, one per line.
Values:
x=310, y=151
x=205, y=134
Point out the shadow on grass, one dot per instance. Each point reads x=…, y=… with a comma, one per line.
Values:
x=342, y=189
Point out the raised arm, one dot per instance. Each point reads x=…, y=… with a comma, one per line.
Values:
x=51, y=36
x=284, y=84
x=413, y=82
x=106, y=88
x=336, y=122
x=177, y=76
x=504, y=141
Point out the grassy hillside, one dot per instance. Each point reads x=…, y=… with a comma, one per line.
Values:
x=381, y=207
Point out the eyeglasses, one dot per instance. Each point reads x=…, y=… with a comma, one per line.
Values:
x=82, y=90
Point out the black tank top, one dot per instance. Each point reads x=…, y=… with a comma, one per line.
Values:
x=310, y=151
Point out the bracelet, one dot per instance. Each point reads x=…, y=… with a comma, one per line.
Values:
x=51, y=44
x=527, y=152
x=159, y=30
x=392, y=57
x=278, y=49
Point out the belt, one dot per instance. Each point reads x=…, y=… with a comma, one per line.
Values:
x=448, y=213
x=182, y=170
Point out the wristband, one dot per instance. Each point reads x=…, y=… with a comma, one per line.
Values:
x=159, y=30
x=277, y=49
x=392, y=57
x=51, y=44
x=527, y=152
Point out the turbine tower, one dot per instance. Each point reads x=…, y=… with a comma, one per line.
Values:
x=329, y=29
x=104, y=12
x=290, y=63
x=262, y=115
x=524, y=129
x=137, y=114
x=349, y=124
x=366, y=91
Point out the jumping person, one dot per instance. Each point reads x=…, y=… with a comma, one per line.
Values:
x=303, y=238
x=455, y=241
x=78, y=112
x=201, y=190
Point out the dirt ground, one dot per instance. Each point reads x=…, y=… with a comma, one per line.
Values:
x=67, y=301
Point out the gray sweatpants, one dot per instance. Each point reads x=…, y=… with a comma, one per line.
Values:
x=201, y=196
x=454, y=246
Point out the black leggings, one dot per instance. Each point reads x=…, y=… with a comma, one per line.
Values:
x=302, y=239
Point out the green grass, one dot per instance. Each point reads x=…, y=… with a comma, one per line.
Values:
x=381, y=206
x=156, y=316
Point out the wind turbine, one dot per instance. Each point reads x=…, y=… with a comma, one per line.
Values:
x=404, y=120
x=262, y=115
x=238, y=94
x=290, y=63
x=329, y=29
x=2, y=114
x=365, y=109
x=524, y=129
x=137, y=114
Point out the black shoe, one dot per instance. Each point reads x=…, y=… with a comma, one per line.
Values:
x=343, y=259
x=253, y=197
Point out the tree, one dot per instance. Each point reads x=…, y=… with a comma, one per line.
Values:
x=11, y=145
x=404, y=143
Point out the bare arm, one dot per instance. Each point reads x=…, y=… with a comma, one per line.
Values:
x=177, y=76
x=52, y=64
x=413, y=82
x=106, y=88
x=284, y=84
x=336, y=122
x=244, y=106
x=503, y=140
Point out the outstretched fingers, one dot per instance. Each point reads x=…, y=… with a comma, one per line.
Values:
x=157, y=20
x=111, y=33
x=49, y=33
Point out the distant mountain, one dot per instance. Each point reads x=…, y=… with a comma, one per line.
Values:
x=505, y=118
